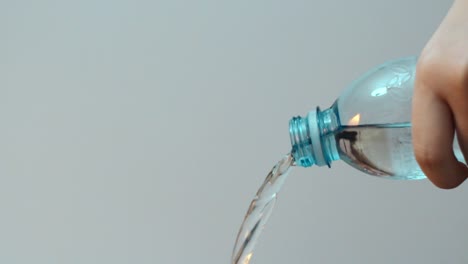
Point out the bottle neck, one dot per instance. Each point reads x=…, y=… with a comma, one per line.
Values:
x=312, y=138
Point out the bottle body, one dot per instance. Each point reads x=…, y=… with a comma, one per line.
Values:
x=368, y=126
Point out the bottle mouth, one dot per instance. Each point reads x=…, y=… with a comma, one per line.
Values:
x=306, y=140
x=301, y=142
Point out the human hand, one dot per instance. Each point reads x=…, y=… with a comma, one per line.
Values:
x=440, y=101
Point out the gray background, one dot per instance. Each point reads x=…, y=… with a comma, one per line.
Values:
x=139, y=131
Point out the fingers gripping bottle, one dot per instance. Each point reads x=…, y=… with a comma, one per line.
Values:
x=368, y=126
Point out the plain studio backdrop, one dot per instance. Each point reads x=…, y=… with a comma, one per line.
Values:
x=139, y=131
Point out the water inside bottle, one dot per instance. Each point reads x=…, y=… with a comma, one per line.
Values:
x=382, y=150
x=259, y=211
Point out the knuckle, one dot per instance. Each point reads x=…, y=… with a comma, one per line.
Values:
x=428, y=160
x=432, y=164
x=445, y=185
x=437, y=70
x=427, y=63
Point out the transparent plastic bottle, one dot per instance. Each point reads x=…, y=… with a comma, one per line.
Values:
x=368, y=126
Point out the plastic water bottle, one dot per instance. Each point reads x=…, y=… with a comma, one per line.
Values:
x=368, y=126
